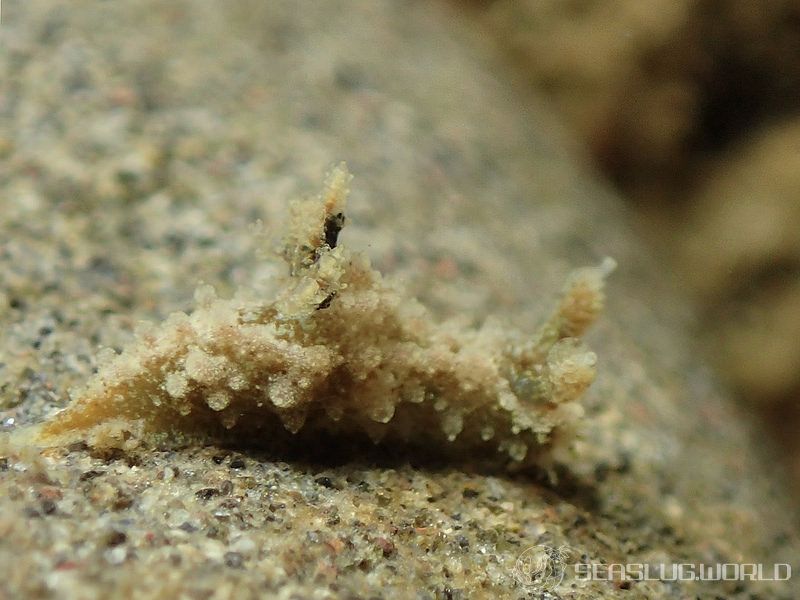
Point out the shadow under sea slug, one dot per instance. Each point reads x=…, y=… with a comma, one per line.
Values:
x=340, y=352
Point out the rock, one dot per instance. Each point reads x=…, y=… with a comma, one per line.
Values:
x=144, y=137
x=654, y=86
x=741, y=255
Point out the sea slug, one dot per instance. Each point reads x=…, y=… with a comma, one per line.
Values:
x=341, y=351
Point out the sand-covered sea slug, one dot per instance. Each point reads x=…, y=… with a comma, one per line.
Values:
x=342, y=351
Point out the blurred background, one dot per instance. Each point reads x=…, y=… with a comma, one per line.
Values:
x=691, y=108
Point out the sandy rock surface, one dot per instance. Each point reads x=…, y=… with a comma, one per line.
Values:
x=139, y=141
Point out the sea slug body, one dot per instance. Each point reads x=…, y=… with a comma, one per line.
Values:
x=340, y=351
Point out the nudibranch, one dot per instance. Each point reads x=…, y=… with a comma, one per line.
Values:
x=340, y=351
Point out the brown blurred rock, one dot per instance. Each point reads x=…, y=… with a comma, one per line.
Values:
x=654, y=85
x=742, y=256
